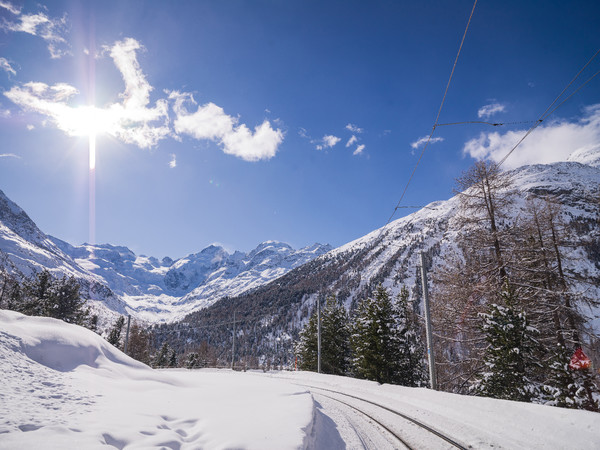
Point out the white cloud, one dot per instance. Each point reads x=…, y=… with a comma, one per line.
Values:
x=173, y=162
x=359, y=149
x=327, y=141
x=10, y=7
x=354, y=128
x=487, y=111
x=210, y=122
x=132, y=121
x=547, y=143
x=421, y=141
x=5, y=113
x=49, y=29
x=9, y=155
x=5, y=65
x=351, y=141
x=30, y=127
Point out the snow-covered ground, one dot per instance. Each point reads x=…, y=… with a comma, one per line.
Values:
x=64, y=387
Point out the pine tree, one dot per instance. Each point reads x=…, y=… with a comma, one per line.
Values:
x=335, y=341
x=411, y=369
x=375, y=340
x=568, y=388
x=172, y=358
x=114, y=335
x=162, y=358
x=306, y=348
x=192, y=361
x=509, y=357
x=64, y=302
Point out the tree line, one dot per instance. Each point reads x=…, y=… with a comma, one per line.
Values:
x=44, y=295
x=380, y=341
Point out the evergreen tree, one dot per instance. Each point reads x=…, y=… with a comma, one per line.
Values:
x=36, y=295
x=172, y=358
x=114, y=335
x=192, y=361
x=376, y=340
x=411, y=367
x=569, y=388
x=306, y=348
x=64, y=302
x=335, y=340
x=162, y=358
x=509, y=356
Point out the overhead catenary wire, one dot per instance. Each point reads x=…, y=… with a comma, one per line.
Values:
x=435, y=124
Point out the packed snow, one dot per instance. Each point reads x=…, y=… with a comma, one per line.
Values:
x=65, y=387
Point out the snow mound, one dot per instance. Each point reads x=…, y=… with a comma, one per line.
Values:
x=61, y=346
x=64, y=387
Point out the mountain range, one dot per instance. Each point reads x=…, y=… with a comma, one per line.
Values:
x=117, y=281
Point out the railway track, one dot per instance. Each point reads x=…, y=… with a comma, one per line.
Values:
x=408, y=437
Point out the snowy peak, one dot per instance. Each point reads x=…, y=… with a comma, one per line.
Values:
x=589, y=156
x=17, y=220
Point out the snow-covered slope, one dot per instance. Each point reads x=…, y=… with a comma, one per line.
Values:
x=149, y=288
x=390, y=255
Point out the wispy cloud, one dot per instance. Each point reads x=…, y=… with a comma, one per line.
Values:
x=173, y=162
x=487, y=111
x=359, y=150
x=50, y=29
x=353, y=128
x=9, y=155
x=351, y=141
x=5, y=65
x=327, y=141
x=16, y=10
x=548, y=143
x=421, y=141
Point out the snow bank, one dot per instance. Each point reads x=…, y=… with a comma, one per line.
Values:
x=64, y=387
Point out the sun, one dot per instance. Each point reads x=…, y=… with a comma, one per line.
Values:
x=88, y=121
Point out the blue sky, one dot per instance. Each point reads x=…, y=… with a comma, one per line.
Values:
x=238, y=122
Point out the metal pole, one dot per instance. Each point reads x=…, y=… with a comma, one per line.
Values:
x=127, y=334
x=430, y=355
x=233, y=344
x=318, y=335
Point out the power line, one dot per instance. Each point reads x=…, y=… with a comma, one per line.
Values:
x=494, y=124
x=435, y=124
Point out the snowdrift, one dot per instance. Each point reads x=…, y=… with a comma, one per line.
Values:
x=64, y=387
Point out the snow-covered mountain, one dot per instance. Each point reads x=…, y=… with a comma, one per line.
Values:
x=116, y=278
x=390, y=255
